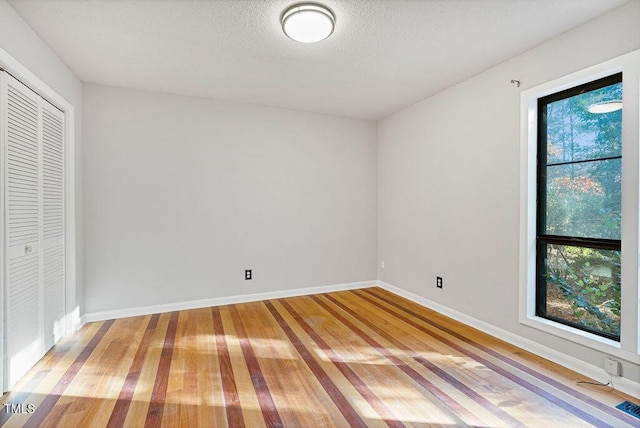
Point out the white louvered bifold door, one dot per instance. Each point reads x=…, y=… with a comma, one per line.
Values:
x=53, y=223
x=23, y=322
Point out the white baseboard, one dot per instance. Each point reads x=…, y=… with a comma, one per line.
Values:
x=74, y=320
x=620, y=383
x=217, y=301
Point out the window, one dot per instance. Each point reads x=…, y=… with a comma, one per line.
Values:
x=579, y=187
x=579, y=207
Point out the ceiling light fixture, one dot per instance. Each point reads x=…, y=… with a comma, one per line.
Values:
x=605, y=107
x=308, y=22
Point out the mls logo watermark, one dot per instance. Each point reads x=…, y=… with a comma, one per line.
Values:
x=19, y=408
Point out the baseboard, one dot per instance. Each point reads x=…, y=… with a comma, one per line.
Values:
x=217, y=301
x=74, y=321
x=620, y=383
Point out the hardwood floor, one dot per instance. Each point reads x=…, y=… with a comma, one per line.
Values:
x=353, y=358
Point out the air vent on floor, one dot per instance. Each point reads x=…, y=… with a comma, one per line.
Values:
x=629, y=407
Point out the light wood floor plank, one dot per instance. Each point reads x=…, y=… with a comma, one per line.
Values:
x=247, y=399
x=373, y=369
x=353, y=358
x=336, y=399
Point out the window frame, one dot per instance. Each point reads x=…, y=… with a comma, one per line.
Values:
x=628, y=348
x=543, y=239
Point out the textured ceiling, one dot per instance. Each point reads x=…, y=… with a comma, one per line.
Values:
x=384, y=54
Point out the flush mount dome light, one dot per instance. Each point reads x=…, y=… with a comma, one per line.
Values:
x=605, y=107
x=308, y=22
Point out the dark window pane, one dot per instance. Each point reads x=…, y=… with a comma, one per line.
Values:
x=579, y=196
x=575, y=134
x=584, y=199
x=583, y=287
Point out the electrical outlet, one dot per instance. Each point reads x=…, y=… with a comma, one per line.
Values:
x=247, y=274
x=382, y=264
x=612, y=366
x=439, y=281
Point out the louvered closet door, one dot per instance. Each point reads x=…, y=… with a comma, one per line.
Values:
x=53, y=223
x=23, y=322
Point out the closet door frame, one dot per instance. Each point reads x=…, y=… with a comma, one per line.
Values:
x=72, y=310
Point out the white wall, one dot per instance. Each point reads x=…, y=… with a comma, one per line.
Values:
x=182, y=194
x=448, y=201
x=19, y=41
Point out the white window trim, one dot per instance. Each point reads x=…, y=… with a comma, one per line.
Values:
x=629, y=346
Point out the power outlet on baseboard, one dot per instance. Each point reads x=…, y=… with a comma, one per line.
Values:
x=612, y=366
x=439, y=281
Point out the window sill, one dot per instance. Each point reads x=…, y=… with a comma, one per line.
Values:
x=580, y=337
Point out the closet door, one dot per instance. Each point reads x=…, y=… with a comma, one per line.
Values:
x=23, y=322
x=53, y=223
